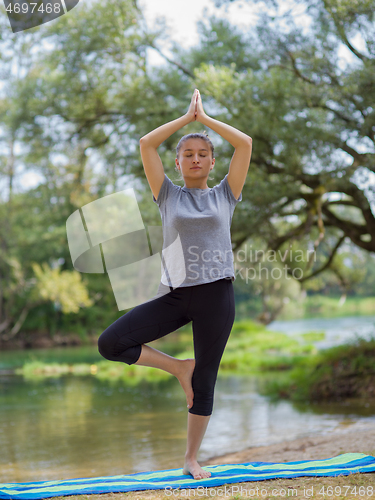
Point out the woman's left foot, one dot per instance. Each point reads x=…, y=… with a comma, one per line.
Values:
x=192, y=467
x=185, y=379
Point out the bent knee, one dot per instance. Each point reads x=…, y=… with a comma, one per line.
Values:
x=105, y=346
x=113, y=350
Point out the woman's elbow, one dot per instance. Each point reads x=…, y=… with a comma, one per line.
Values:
x=246, y=142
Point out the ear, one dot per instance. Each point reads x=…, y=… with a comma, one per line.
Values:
x=177, y=162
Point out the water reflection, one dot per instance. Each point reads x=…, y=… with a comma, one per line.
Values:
x=82, y=427
x=255, y=421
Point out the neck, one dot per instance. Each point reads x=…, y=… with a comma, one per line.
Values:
x=199, y=183
x=196, y=187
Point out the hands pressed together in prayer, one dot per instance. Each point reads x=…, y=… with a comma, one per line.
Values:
x=196, y=111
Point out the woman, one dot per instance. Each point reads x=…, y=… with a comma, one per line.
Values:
x=202, y=217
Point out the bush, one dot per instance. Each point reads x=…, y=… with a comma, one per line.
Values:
x=346, y=371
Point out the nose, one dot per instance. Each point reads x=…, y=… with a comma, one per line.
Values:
x=195, y=159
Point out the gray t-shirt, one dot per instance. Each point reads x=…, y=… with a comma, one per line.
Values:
x=196, y=222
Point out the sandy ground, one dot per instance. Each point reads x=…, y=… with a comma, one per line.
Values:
x=358, y=437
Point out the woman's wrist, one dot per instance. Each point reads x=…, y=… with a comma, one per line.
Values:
x=156, y=137
x=202, y=117
x=234, y=136
x=189, y=118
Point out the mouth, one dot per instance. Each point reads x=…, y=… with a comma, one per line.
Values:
x=195, y=168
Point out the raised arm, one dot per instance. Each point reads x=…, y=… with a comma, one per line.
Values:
x=241, y=142
x=149, y=143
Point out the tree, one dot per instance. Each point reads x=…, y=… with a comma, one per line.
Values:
x=311, y=115
x=76, y=111
x=54, y=111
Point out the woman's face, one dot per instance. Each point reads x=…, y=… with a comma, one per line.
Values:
x=195, y=159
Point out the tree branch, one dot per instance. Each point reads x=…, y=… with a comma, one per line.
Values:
x=352, y=230
x=296, y=232
x=95, y=119
x=344, y=38
x=17, y=326
x=327, y=264
x=182, y=68
x=297, y=71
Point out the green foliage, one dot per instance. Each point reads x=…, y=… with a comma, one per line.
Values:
x=252, y=348
x=334, y=374
x=84, y=94
x=313, y=336
x=129, y=374
x=37, y=370
x=63, y=288
x=331, y=307
x=220, y=44
x=296, y=110
x=104, y=370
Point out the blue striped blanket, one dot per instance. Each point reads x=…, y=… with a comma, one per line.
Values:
x=345, y=464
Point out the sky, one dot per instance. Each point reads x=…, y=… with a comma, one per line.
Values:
x=181, y=17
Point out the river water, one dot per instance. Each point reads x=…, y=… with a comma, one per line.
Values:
x=337, y=330
x=81, y=427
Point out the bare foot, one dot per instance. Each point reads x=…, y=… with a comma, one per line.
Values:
x=192, y=467
x=184, y=377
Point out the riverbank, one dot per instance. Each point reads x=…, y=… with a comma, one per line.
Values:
x=357, y=437
x=40, y=339
x=348, y=437
x=314, y=306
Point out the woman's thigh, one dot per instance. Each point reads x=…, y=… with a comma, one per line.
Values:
x=213, y=312
x=146, y=322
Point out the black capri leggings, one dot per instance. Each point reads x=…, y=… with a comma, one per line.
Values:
x=209, y=306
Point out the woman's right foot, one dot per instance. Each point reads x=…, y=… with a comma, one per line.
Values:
x=192, y=467
x=184, y=377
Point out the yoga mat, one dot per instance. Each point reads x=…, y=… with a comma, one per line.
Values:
x=345, y=464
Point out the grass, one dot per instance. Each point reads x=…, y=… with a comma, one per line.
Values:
x=292, y=366
x=323, y=306
x=251, y=349
x=104, y=370
x=312, y=306
x=341, y=372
